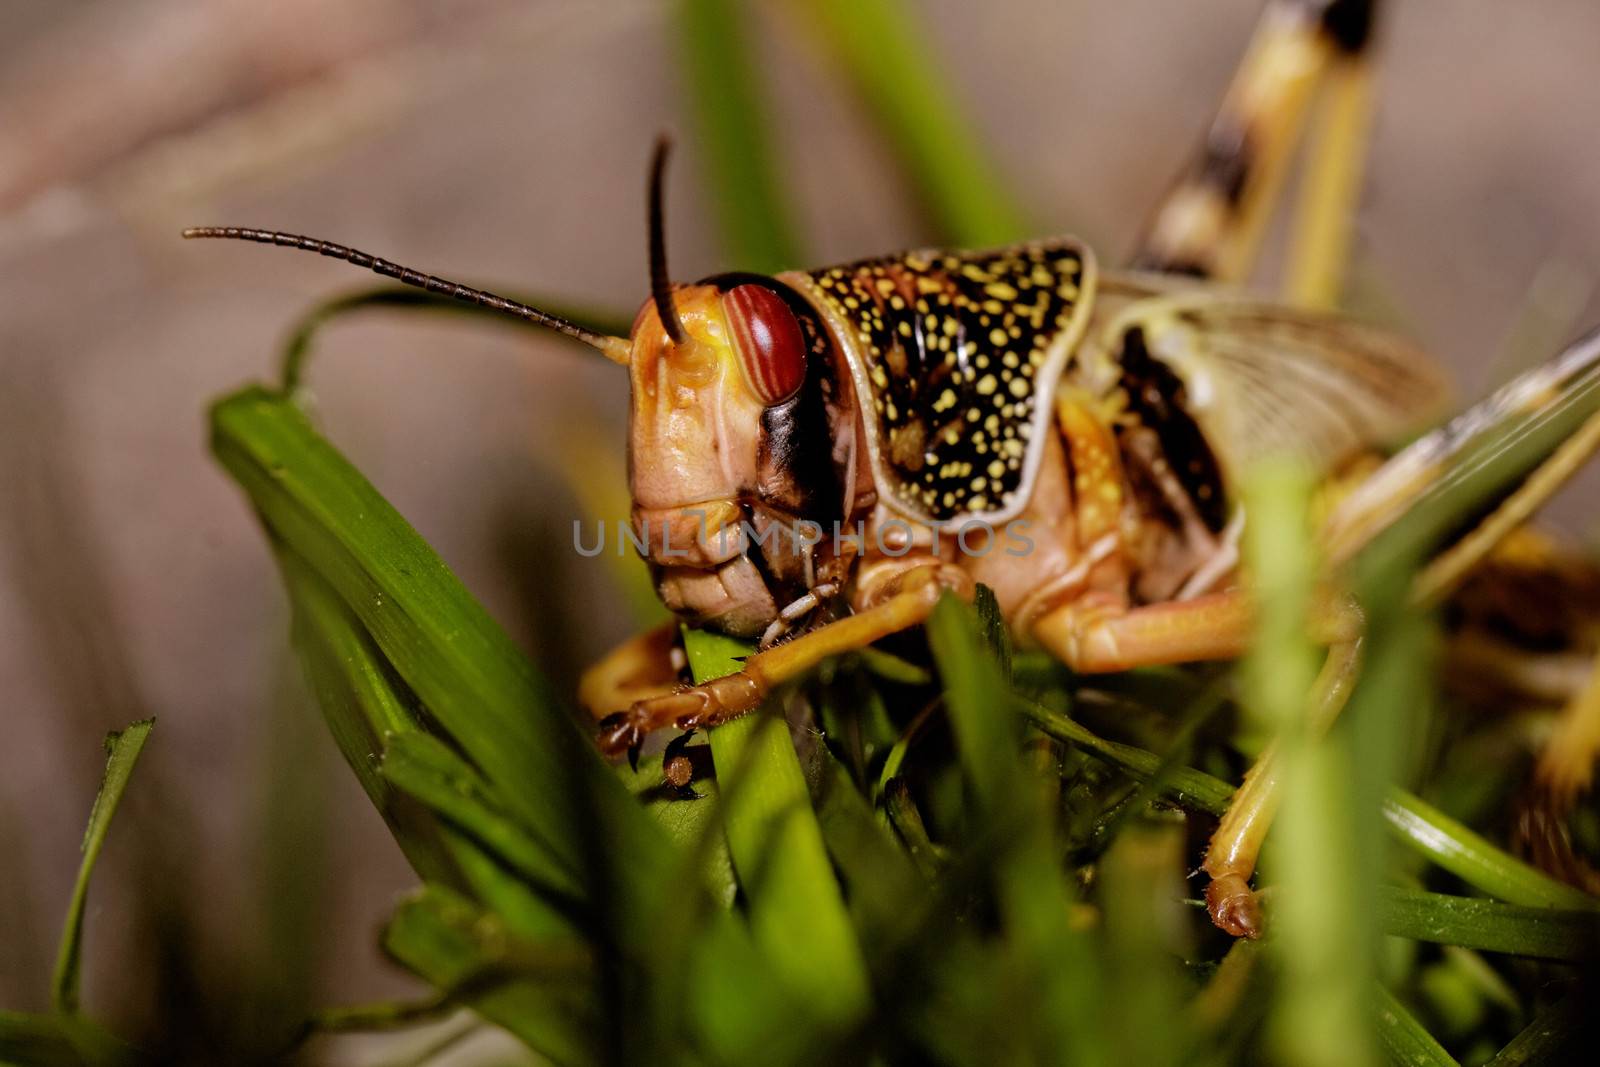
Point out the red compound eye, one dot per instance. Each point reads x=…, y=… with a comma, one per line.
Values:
x=769, y=341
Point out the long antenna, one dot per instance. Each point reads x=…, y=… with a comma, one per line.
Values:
x=616, y=349
x=660, y=281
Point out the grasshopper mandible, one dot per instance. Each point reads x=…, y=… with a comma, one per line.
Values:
x=816, y=457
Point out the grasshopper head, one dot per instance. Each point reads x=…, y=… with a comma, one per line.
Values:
x=731, y=449
x=735, y=458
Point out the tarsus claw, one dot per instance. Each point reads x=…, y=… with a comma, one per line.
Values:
x=619, y=733
x=1234, y=906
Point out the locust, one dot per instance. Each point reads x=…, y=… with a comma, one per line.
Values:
x=816, y=457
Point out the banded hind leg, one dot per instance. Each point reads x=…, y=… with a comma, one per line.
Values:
x=1211, y=222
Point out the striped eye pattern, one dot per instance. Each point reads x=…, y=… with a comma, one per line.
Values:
x=768, y=340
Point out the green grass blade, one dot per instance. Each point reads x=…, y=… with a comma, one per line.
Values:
x=797, y=913
x=426, y=769
x=366, y=706
x=1490, y=925
x=1141, y=883
x=1184, y=786
x=379, y=1015
x=1405, y=1042
x=430, y=656
x=37, y=1040
x=884, y=50
x=693, y=824
x=885, y=893
x=732, y=120
x=542, y=993
x=63, y=1041
x=476, y=685
x=1556, y=1035
x=362, y=702
x=297, y=349
x=1051, y=961
x=1323, y=945
x=1474, y=860
x=122, y=752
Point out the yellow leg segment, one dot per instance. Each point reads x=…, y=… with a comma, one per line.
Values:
x=907, y=602
x=1324, y=217
x=1214, y=627
x=1235, y=847
x=1212, y=222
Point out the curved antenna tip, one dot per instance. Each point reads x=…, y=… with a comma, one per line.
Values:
x=615, y=349
x=660, y=280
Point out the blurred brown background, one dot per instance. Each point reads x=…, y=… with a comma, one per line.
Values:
x=505, y=143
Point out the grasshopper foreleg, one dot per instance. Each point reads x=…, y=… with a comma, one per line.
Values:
x=904, y=601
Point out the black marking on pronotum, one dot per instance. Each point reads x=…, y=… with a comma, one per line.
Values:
x=1158, y=398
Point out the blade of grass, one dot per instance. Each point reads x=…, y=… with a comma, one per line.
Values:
x=1184, y=786
x=1474, y=860
x=694, y=824
x=732, y=120
x=893, y=668
x=362, y=702
x=1144, y=939
x=797, y=913
x=1555, y=1035
x=379, y=1015
x=36, y=1040
x=426, y=769
x=542, y=993
x=122, y=753
x=476, y=685
x=63, y=1041
x=1490, y=925
x=1405, y=1041
x=884, y=889
x=1322, y=945
x=369, y=705
x=884, y=50
x=449, y=669
x=1050, y=961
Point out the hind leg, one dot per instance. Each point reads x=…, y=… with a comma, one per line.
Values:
x=1211, y=222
